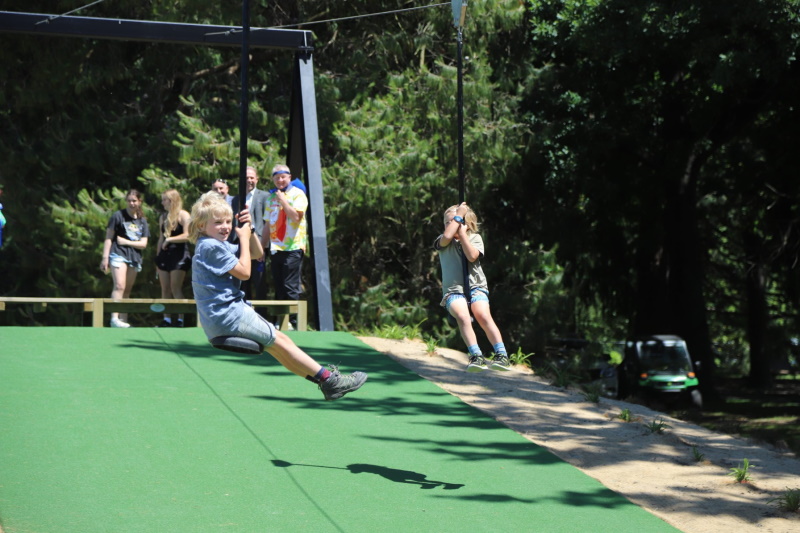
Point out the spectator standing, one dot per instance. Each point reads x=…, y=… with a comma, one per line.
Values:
x=255, y=201
x=173, y=258
x=296, y=182
x=285, y=235
x=220, y=186
x=126, y=237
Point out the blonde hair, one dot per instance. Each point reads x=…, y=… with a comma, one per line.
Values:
x=210, y=206
x=172, y=216
x=470, y=218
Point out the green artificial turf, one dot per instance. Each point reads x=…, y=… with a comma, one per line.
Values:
x=153, y=430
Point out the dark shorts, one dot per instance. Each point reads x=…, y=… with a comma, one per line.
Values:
x=175, y=257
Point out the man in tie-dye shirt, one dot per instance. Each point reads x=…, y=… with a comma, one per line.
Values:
x=285, y=234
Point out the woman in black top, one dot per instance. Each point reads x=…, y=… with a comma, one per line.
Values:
x=174, y=258
x=126, y=238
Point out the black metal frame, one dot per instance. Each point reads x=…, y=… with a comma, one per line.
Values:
x=303, y=153
x=151, y=31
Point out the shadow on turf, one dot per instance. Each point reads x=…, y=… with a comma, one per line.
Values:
x=392, y=474
x=599, y=497
x=381, y=369
x=347, y=356
x=353, y=357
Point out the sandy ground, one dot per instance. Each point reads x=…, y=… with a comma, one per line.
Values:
x=656, y=471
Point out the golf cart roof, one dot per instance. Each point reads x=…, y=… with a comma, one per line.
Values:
x=665, y=339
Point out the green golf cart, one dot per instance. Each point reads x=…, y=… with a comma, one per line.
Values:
x=659, y=367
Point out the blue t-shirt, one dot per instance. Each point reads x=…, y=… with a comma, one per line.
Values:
x=220, y=301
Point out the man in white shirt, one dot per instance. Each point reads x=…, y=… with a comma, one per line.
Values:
x=256, y=200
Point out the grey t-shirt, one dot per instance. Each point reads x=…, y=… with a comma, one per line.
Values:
x=453, y=270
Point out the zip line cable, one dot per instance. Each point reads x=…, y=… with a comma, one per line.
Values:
x=360, y=16
x=48, y=19
x=236, y=30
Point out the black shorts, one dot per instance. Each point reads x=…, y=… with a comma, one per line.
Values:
x=175, y=257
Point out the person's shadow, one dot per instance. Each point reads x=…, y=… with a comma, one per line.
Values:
x=392, y=474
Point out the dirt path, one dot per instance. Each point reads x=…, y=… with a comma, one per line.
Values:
x=656, y=471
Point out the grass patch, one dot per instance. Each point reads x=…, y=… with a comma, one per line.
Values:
x=592, y=392
x=697, y=455
x=560, y=375
x=772, y=417
x=430, y=347
x=741, y=474
x=394, y=332
x=520, y=358
x=657, y=426
x=788, y=501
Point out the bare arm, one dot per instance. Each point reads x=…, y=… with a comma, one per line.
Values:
x=457, y=230
x=161, y=243
x=256, y=250
x=106, y=249
x=184, y=219
x=472, y=254
x=141, y=244
x=242, y=269
x=249, y=247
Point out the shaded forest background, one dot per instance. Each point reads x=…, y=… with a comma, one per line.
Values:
x=633, y=162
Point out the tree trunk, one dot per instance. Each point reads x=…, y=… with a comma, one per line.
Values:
x=688, y=305
x=679, y=275
x=757, y=312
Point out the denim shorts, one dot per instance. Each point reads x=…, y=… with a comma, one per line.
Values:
x=117, y=261
x=255, y=327
x=477, y=294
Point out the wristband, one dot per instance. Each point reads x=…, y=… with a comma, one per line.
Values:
x=459, y=219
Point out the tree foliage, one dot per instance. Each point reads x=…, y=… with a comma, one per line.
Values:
x=632, y=162
x=640, y=106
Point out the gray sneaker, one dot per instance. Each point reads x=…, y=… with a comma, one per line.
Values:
x=476, y=364
x=500, y=362
x=338, y=384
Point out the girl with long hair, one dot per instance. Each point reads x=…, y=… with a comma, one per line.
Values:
x=174, y=258
x=126, y=238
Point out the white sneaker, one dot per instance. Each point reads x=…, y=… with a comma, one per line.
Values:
x=117, y=323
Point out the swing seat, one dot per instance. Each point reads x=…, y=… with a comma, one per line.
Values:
x=238, y=345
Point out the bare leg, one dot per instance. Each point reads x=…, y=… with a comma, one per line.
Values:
x=292, y=357
x=460, y=311
x=483, y=316
x=166, y=289
x=130, y=279
x=119, y=275
x=176, y=278
x=334, y=386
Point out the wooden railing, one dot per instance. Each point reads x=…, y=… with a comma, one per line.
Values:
x=100, y=306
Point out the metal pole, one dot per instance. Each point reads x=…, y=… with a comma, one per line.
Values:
x=304, y=154
x=245, y=62
x=462, y=193
x=460, y=104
